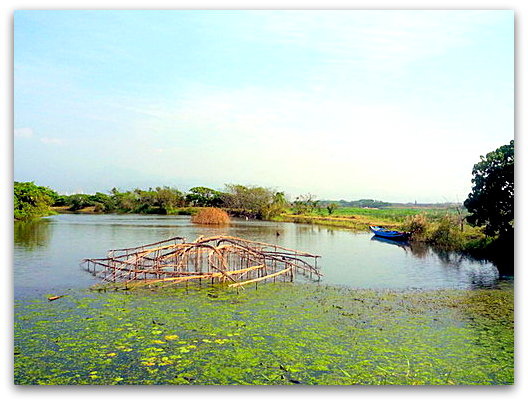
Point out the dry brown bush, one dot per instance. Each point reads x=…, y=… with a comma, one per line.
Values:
x=211, y=215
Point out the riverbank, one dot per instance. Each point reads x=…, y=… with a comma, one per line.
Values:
x=435, y=227
x=277, y=334
x=439, y=228
x=354, y=222
x=93, y=210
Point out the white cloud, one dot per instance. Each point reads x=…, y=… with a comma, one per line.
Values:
x=375, y=39
x=28, y=133
x=293, y=140
x=23, y=132
x=51, y=140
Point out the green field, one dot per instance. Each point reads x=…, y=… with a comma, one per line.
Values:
x=359, y=219
x=395, y=214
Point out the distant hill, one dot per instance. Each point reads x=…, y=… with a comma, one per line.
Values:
x=364, y=203
x=426, y=205
x=371, y=203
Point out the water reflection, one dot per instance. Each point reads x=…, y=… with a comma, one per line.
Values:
x=419, y=249
x=47, y=252
x=402, y=244
x=475, y=273
x=422, y=250
x=32, y=234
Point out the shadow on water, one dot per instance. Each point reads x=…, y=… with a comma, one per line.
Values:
x=402, y=244
x=476, y=270
x=32, y=235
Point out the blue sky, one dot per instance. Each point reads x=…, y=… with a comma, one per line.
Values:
x=392, y=105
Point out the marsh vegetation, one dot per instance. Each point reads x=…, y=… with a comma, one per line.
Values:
x=383, y=314
x=279, y=334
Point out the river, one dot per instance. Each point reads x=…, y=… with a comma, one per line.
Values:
x=47, y=252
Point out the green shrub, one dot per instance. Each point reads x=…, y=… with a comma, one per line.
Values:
x=417, y=225
x=99, y=207
x=31, y=201
x=445, y=234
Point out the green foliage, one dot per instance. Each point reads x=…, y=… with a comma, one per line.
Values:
x=367, y=203
x=277, y=206
x=162, y=200
x=168, y=198
x=79, y=201
x=280, y=334
x=253, y=201
x=305, y=204
x=331, y=207
x=490, y=202
x=446, y=234
x=32, y=201
x=204, y=197
x=417, y=225
x=158, y=201
x=102, y=203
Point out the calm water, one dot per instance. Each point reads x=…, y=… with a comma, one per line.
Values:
x=47, y=252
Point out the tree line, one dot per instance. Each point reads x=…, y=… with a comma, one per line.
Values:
x=250, y=201
x=490, y=203
x=31, y=201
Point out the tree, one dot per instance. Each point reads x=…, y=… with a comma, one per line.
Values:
x=305, y=204
x=277, y=206
x=31, y=201
x=80, y=201
x=490, y=202
x=202, y=196
x=167, y=198
x=250, y=200
x=331, y=207
x=124, y=201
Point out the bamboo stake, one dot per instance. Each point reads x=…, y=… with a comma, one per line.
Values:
x=176, y=260
x=260, y=278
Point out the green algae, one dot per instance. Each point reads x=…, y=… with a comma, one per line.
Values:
x=280, y=333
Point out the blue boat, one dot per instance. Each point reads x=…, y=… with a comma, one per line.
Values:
x=385, y=233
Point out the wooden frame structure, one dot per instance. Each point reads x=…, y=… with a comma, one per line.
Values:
x=225, y=259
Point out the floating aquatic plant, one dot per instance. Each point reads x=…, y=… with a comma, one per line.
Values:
x=282, y=333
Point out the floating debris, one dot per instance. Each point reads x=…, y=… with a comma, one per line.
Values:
x=54, y=297
x=225, y=259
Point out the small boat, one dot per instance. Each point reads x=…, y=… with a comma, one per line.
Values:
x=385, y=233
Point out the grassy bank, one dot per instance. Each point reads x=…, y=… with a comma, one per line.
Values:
x=395, y=215
x=439, y=227
x=361, y=218
x=355, y=222
x=277, y=334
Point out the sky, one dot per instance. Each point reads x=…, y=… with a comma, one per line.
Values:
x=391, y=105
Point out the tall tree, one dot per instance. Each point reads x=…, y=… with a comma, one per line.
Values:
x=249, y=200
x=204, y=197
x=490, y=202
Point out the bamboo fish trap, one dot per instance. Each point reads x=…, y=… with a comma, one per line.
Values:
x=223, y=259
